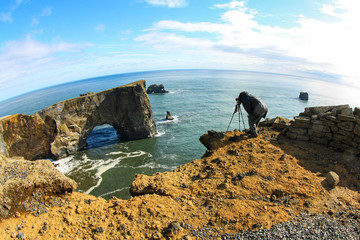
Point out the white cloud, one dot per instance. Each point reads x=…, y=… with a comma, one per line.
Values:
x=169, y=41
x=47, y=11
x=6, y=17
x=168, y=3
x=27, y=59
x=236, y=41
x=329, y=47
x=231, y=5
x=99, y=28
x=34, y=21
x=29, y=49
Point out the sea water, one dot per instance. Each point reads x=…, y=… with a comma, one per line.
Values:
x=200, y=100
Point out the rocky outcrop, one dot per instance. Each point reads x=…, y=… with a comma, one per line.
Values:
x=27, y=136
x=155, y=88
x=335, y=126
x=24, y=184
x=168, y=116
x=278, y=123
x=304, y=96
x=248, y=184
x=63, y=128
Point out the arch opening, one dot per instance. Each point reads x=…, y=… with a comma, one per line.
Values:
x=102, y=135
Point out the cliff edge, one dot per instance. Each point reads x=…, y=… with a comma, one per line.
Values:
x=239, y=184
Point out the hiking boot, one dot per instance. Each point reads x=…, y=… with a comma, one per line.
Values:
x=253, y=135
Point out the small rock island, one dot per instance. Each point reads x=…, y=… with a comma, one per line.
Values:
x=156, y=88
x=304, y=96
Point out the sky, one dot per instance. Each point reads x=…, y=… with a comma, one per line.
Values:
x=49, y=42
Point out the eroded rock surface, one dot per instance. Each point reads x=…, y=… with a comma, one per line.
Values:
x=156, y=88
x=62, y=129
x=24, y=184
x=242, y=184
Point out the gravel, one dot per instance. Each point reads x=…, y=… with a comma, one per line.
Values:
x=306, y=226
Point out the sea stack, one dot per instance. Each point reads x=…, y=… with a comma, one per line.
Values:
x=304, y=96
x=168, y=116
x=154, y=88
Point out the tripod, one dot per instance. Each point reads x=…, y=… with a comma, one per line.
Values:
x=237, y=109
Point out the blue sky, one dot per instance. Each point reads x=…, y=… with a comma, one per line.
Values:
x=48, y=42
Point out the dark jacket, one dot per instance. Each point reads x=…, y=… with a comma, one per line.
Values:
x=251, y=102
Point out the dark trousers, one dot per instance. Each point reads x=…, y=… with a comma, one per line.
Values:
x=254, y=119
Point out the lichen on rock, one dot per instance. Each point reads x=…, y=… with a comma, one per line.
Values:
x=25, y=185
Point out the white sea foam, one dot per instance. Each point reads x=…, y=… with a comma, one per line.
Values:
x=153, y=165
x=159, y=134
x=128, y=154
x=112, y=192
x=176, y=120
x=66, y=165
x=102, y=168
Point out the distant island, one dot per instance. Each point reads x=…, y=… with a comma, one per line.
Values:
x=156, y=88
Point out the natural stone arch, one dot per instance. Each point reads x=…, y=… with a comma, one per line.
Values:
x=126, y=108
x=102, y=135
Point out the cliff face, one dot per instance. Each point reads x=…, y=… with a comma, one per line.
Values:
x=241, y=183
x=26, y=136
x=62, y=129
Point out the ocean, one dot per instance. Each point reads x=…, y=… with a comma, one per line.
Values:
x=200, y=100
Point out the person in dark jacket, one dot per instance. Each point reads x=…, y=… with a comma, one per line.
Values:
x=255, y=107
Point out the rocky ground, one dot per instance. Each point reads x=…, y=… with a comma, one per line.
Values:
x=242, y=188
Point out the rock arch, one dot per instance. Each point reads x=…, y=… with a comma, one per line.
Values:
x=127, y=108
x=102, y=135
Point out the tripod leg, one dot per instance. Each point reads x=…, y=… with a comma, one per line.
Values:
x=242, y=118
x=230, y=121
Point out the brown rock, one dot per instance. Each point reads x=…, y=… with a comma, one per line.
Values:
x=23, y=182
x=346, y=126
x=27, y=136
x=302, y=122
x=332, y=179
x=278, y=122
x=213, y=140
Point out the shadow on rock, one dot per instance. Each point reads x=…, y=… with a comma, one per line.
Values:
x=323, y=160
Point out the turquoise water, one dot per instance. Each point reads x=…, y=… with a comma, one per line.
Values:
x=200, y=100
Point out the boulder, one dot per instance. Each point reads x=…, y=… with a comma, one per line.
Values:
x=302, y=122
x=155, y=88
x=168, y=116
x=24, y=185
x=213, y=140
x=278, y=122
x=62, y=129
x=332, y=178
x=304, y=96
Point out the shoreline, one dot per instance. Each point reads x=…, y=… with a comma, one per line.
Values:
x=232, y=189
